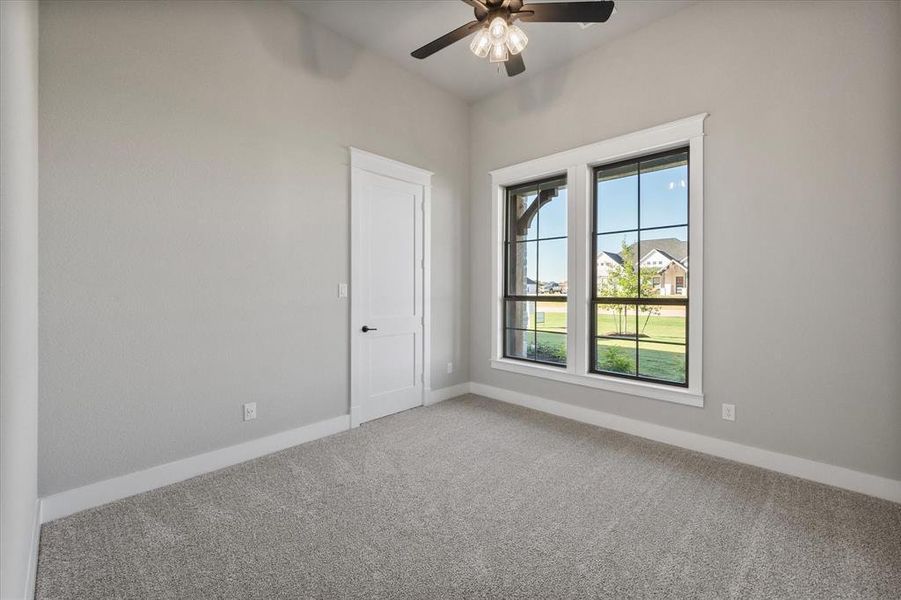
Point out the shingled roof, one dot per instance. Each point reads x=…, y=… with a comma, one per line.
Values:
x=617, y=257
x=672, y=247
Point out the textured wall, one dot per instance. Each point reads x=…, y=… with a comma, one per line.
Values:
x=18, y=291
x=195, y=225
x=803, y=187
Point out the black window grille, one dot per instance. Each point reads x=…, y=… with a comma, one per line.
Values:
x=535, y=275
x=639, y=320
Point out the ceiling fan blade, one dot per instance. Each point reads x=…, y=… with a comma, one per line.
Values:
x=515, y=65
x=446, y=40
x=567, y=12
x=480, y=8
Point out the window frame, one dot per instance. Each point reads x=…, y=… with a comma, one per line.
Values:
x=637, y=301
x=537, y=297
x=578, y=166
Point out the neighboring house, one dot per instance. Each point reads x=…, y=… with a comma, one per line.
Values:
x=668, y=257
x=607, y=262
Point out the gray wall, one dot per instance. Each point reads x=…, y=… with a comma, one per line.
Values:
x=802, y=213
x=194, y=219
x=194, y=225
x=18, y=291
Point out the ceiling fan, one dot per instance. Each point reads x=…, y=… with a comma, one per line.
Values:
x=501, y=40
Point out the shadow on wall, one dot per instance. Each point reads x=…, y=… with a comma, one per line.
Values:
x=294, y=40
x=543, y=91
x=532, y=94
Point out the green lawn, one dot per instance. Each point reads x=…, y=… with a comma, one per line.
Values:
x=654, y=328
x=665, y=364
x=552, y=321
x=654, y=360
x=658, y=361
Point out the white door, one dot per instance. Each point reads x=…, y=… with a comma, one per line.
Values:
x=387, y=295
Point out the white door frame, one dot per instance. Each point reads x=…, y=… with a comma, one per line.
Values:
x=360, y=161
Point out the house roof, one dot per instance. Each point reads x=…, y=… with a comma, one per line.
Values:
x=671, y=263
x=675, y=250
x=672, y=248
x=616, y=257
x=664, y=253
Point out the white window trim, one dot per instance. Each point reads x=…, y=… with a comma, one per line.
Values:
x=577, y=164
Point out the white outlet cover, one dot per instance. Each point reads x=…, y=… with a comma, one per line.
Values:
x=342, y=290
x=250, y=411
x=729, y=412
x=450, y=367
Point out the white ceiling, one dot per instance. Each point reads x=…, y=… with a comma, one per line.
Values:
x=394, y=28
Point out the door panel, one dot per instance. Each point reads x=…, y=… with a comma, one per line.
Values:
x=391, y=363
x=387, y=295
x=392, y=251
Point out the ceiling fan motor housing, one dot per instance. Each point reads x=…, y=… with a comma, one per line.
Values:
x=490, y=9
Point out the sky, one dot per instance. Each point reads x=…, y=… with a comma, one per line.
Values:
x=663, y=202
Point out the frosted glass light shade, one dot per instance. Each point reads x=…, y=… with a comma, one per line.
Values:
x=498, y=53
x=497, y=30
x=481, y=43
x=516, y=40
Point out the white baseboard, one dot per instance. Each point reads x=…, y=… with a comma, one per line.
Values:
x=95, y=494
x=78, y=499
x=446, y=393
x=864, y=483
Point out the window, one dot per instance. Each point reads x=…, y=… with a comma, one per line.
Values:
x=589, y=258
x=639, y=328
x=535, y=267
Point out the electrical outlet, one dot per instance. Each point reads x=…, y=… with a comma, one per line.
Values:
x=342, y=290
x=729, y=412
x=250, y=411
x=450, y=368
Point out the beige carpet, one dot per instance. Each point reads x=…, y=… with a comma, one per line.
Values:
x=476, y=499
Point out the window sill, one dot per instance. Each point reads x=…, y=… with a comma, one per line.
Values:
x=613, y=384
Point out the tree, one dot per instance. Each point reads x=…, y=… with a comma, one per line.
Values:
x=624, y=281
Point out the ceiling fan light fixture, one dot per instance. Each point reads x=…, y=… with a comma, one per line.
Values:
x=481, y=43
x=499, y=39
x=498, y=53
x=497, y=29
x=516, y=40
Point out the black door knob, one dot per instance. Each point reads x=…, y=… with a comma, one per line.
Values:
x=367, y=328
